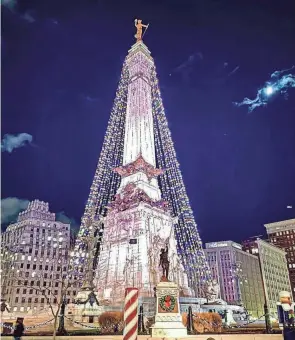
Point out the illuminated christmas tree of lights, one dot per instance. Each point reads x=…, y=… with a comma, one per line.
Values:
x=144, y=142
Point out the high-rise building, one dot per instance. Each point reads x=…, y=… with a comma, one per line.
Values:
x=238, y=275
x=282, y=235
x=138, y=197
x=34, y=257
x=274, y=270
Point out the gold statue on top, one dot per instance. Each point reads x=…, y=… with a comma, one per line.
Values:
x=139, y=26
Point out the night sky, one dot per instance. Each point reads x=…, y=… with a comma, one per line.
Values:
x=61, y=62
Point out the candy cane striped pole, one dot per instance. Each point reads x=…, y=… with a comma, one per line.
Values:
x=130, y=314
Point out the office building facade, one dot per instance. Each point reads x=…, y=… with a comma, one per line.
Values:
x=282, y=235
x=34, y=256
x=238, y=274
x=274, y=270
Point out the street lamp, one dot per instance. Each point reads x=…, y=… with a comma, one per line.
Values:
x=61, y=327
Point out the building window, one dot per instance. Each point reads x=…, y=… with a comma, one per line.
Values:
x=28, y=266
x=17, y=291
x=24, y=291
x=23, y=300
x=42, y=300
x=16, y=299
x=29, y=300
x=36, y=300
x=31, y=291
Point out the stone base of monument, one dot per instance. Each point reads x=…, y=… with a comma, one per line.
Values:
x=168, y=321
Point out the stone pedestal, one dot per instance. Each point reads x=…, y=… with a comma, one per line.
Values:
x=168, y=321
x=86, y=309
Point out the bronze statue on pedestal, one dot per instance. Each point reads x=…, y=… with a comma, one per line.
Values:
x=164, y=262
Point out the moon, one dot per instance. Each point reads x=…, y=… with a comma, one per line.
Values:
x=269, y=90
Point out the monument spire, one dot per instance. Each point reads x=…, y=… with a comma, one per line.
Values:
x=138, y=193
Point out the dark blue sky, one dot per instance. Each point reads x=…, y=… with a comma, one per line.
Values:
x=61, y=62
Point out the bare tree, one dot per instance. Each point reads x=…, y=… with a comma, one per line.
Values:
x=53, y=289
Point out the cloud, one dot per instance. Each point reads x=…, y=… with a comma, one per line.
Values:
x=233, y=71
x=188, y=63
x=191, y=59
x=11, y=207
x=89, y=98
x=11, y=142
x=28, y=17
x=62, y=217
x=10, y=4
x=279, y=83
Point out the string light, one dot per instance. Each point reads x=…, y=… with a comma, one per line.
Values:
x=173, y=190
x=106, y=181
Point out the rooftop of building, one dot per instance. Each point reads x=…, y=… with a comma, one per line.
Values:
x=280, y=226
x=222, y=244
x=258, y=242
x=36, y=211
x=267, y=244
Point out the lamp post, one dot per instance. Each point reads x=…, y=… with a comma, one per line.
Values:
x=268, y=326
x=141, y=328
x=190, y=321
x=61, y=327
x=239, y=278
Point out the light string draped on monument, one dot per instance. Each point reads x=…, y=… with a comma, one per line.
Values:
x=173, y=190
x=106, y=181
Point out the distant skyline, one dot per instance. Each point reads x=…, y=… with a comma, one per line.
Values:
x=60, y=69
